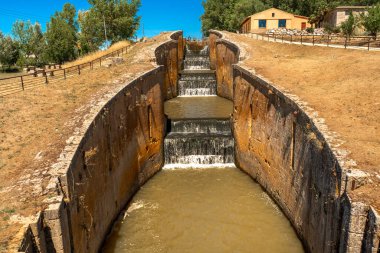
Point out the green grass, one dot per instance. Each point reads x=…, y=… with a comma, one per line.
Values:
x=8, y=210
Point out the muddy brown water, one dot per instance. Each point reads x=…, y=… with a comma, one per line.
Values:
x=203, y=210
x=198, y=107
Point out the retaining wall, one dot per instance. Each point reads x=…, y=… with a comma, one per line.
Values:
x=280, y=144
x=119, y=148
x=223, y=55
x=171, y=55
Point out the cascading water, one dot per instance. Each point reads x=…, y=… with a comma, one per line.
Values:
x=203, y=141
x=197, y=79
x=201, y=202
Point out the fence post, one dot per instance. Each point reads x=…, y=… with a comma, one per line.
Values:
x=282, y=38
x=301, y=39
x=78, y=69
x=369, y=41
x=328, y=39
x=275, y=39
x=22, y=83
x=64, y=74
x=100, y=61
x=345, y=43
x=291, y=38
x=313, y=39
x=46, y=78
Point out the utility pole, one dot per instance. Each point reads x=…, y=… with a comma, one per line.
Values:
x=105, y=30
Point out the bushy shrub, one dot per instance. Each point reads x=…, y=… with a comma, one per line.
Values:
x=331, y=29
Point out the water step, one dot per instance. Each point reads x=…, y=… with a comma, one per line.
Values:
x=209, y=126
x=199, y=148
x=197, y=87
x=197, y=63
x=196, y=135
x=201, y=159
x=174, y=166
x=203, y=53
x=198, y=77
x=197, y=72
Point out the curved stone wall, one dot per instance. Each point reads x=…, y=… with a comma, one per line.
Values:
x=171, y=55
x=280, y=144
x=223, y=55
x=119, y=148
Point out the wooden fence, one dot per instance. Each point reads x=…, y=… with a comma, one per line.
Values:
x=15, y=84
x=362, y=42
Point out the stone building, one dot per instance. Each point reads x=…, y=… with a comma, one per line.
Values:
x=272, y=19
x=341, y=13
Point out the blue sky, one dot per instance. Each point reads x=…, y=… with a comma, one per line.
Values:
x=157, y=15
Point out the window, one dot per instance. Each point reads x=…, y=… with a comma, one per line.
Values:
x=282, y=23
x=262, y=23
x=273, y=15
x=347, y=13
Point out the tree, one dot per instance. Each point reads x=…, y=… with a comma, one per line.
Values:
x=241, y=10
x=90, y=36
x=61, y=35
x=371, y=21
x=319, y=10
x=348, y=26
x=116, y=19
x=31, y=40
x=9, y=51
x=228, y=14
x=216, y=15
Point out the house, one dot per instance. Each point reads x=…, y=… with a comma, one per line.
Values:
x=340, y=14
x=272, y=19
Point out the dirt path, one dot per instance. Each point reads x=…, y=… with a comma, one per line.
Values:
x=34, y=127
x=343, y=86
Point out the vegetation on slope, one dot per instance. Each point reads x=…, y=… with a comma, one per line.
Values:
x=69, y=34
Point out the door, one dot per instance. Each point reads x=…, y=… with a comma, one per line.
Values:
x=303, y=25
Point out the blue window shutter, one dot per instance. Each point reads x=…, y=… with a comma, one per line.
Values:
x=262, y=23
x=282, y=23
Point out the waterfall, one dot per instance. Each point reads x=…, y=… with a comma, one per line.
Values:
x=198, y=141
x=197, y=79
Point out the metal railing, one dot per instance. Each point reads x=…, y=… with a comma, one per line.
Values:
x=20, y=83
x=360, y=42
